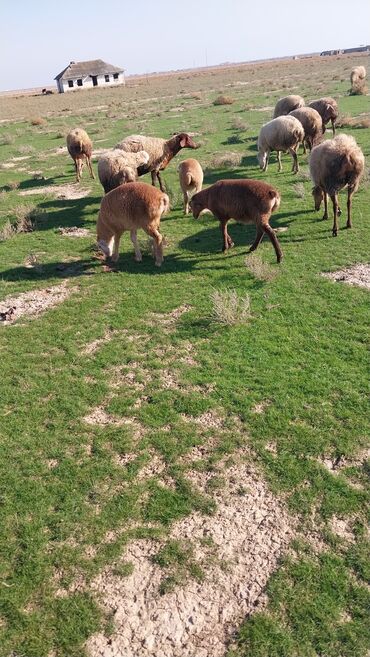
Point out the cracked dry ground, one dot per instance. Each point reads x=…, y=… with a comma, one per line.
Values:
x=235, y=549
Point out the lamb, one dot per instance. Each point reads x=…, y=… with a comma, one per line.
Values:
x=312, y=125
x=287, y=104
x=328, y=109
x=80, y=149
x=191, y=179
x=284, y=133
x=334, y=164
x=161, y=151
x=116, y=167
x=131, y=207
x=246, y=201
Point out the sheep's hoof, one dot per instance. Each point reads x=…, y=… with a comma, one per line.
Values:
x=138, y=258
x=348, y=225
x=335, y=233
x=325, y=217
x=339, y=212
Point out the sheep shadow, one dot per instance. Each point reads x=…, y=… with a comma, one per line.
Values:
x=65, y=213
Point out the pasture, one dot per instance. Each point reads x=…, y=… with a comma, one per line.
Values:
x=183, y=450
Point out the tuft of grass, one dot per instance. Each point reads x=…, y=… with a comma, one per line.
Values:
x=234, y=139
x=259, y=269
x=177, y=560
x=229, y=308
x=14, y=184
x=238, y=124
x=225, y=160
x=6, y=140
x=26, y=149
x=38, y=120
x=223, y=100
x=299, y=190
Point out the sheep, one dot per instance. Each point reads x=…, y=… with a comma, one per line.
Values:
x=328, y=110
x=287, y=104
x=334, y=164
x=80, y=148
x=116, y=167
x=191, y=179
x=130, y=207
x=312, y=125
x=284, y=133
x=246, y=201
x=358, y=73
x=161, y=151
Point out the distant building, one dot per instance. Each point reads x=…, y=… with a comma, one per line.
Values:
x=85, y=75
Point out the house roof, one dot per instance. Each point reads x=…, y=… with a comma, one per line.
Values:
x=82, y=69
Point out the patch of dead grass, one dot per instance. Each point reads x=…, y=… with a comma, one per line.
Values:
x=33, y=303
x=356, y=275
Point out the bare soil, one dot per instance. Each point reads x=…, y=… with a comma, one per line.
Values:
x=33, y=303
x=355, y=275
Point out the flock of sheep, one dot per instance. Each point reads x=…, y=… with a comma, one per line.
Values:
x=130, y=205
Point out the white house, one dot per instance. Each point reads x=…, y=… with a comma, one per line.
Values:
x=85, y=75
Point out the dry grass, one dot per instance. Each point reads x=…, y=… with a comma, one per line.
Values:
x=299, y=190
x=26, y=149
x=38, y=120
x=14, y=184
x=228, y=308
x=259, y=269
x=347, y=121
x=25, y=222
x=225, y=160
x=6, y=140
x=238, y=124
x=223, y=100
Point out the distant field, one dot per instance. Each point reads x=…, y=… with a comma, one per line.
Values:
x=170, y=485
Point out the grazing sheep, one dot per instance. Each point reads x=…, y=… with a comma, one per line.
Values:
x=284, y=133
x=116, y=167
x=287, y=104
x=80, y=148
x=131, y=207
x=246, y=201
x=358, y=73
x=161, y=151
x=328, y=110
x=312, y=125
x=334, y=164
x=191, y=179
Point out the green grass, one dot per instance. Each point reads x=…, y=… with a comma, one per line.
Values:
x=304, y=350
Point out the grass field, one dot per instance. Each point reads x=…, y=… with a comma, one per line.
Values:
x=144, y=442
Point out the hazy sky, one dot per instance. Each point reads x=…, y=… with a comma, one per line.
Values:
x=38, y=38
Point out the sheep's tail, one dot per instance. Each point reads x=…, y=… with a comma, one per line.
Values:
x=165, y=204
x=188, y=178
x=275, y=199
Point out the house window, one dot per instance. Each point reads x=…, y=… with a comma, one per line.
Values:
x=106, y=78
x=79, y=83
x=70, y=83
x=115, y=76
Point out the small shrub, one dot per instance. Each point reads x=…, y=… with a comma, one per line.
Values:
x=259, y=269
x=238, y=124
x=26, y=149
x=209, y=128
x=38, y=120
x=6, y=140
x=225, y=160
x=223, y=100
x=26, y=218
x=234, y=139
x=14, y=184
x=345, y=121
x=197, y=95
x=228, y=308
x=7, y=231
x=299, y=190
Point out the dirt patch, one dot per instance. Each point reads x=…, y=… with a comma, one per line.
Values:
x=168, y=320
x=33, y=303
x=248, y=533
x=93, y=346
x=74, y=231
x=342, y=528
x=260, y=408
x=356, y=275
x=60, y=191
x=100, y=417
x=208, y=420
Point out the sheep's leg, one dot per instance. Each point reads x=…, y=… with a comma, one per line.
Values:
x=227, y=242
x=161, y=185
x=138, y=256
x=186, y=202
x=266, y=160
x=304, y=146
x=333, y=126
x=349, y=207
x=295, y=167
x=115, y=253
x=280, y=168
x=334, y=199
x=158, y=244
x=275, y=243
x=257, y=241
x=88, y=160
x=325, y=206
x=77, y=171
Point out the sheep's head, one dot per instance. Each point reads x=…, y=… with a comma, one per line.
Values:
x=185, y=141
x=261, y=157
x=318, y=196
x=196, y=206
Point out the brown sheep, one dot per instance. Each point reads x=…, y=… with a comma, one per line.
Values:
x=328, y=110
x=80, y=149
x=334, y=164
x=287, y=104
x=246, y=201
x=312, y=125
x=130, y=207
x=191, y=179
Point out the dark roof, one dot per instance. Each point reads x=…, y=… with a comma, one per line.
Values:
x=82, y=69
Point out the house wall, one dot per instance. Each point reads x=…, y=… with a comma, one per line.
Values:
x=87, y=82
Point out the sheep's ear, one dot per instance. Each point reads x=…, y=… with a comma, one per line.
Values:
x=183, y=142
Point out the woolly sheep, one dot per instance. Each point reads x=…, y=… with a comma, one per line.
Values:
x=246, y=201
x=131, y=207
x=287, y=104
x=191, y=179
x=161, y=151
x=79, y=147
x=328, y=109
x=357, y=73
x=312, y=125
x=284, y=133
x=334, y=164
x=116, y=167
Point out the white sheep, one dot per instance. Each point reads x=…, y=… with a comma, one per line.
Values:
x=284, y=133
x=358, y=75
x=161, y=151
x=191, y=179
x=79, y=147
x=334, y=164
x=116, y=167
x=287, y=104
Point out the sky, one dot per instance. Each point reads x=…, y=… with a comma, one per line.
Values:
x=38, y=38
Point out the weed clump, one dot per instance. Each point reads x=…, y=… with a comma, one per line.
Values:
x=38, y=120
x=225, y=160
x=25, y=222
x=238, y=124
x=223, y=100
x=259, y=269
x=228, y=308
